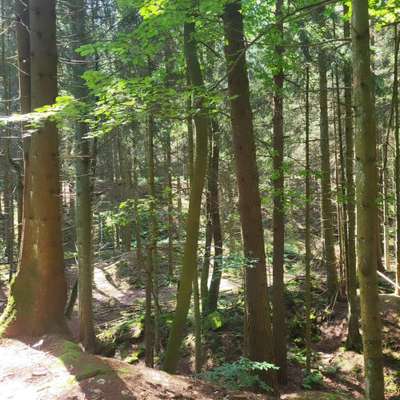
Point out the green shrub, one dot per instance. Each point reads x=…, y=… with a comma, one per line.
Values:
x=240, y=375
x=312, y=380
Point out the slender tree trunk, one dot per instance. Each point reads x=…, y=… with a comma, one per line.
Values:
x=170, y=206
x=24, y=62
x=258, y=318
x=137, y=220
x=397, y=159
x=213, y=293
x=205, y=269
x=8, y=197
x=341, y=182
x=190, y=133
x=83, y=201
x=151, y=331
x=278, y=217
x=326, y=201
x=189, y=263
x=367, y=193
x=38, y=292
x=353, y=341
x=308, y=230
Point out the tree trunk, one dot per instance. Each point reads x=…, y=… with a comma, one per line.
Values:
x=205, y=269
x=170, y=206
x=83, y=187
x=151, y=331
x=353, y=341
x=38, y=293
x=397, y=159
x=308, y=229
x=213, y=292
x=137, y=219
x=258, y=319
x=326, y=200
x=24, y=71
x=278, y=216
x=367, y=198
x=8, y=197
x=189, y=263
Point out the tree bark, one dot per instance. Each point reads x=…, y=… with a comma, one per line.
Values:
x=353, y=341
x=278, y=216
x=213, y=293
x=83, y=187
x=189, y=263
x=367, y=196
x=397, y=159
x=326, y=200
x=258, y=318
x=38, y=293
x=308, y=228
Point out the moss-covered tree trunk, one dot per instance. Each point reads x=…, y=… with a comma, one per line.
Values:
x=258, y=318
x=38, y=293
x=367, y=198
x=189, y=262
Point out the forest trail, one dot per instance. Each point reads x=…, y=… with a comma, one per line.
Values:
x=53, y=368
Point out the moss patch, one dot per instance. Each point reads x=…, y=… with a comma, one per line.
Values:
x=71, y=353
x=91, y=370
x=8, y=316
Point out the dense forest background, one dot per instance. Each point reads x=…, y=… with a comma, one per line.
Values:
x=210, y=188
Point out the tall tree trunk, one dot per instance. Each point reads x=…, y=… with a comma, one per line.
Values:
x=38, y=293
x=278, y=216
x=353, y=341
x=24, y=73
x=83, y=186
x=308, y=229
x=189, y=263
x=397, y=159
x=137, y=219
x=205, y=268
x=258, y=318
x=215, y=222
x=8, y=197
x=341, y=180
x=367, y=196
x=326, y=200
x=170, y=206
x=151, y=331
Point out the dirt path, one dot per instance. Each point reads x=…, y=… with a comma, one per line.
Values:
x=55, y=369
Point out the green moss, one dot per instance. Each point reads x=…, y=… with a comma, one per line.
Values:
x=71, y=353
x=91, y=370
x=134, y=356
x=8, y=315
x=124, y=371
x=124, y=331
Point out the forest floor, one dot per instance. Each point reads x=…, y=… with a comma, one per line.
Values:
x=53, y=368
